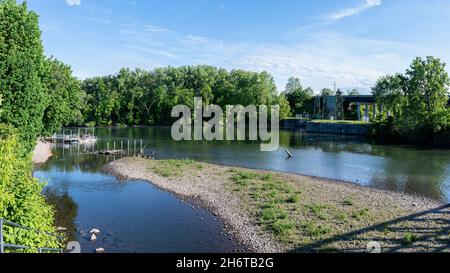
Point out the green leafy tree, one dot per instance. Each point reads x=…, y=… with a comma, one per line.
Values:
x=285, y=109
x=426, y=85
x=22, y=65
x=353, y=92
x=388, y=91
x=65, y=97
x=418, y=99
x=298, y=96
x=326, y=92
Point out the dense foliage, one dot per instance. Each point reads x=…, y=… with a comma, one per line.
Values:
x=138, y=97
x=21, y=68
x=416, y=103
x=64, y=97
x=39, y=95
x=21, y=200
x=301, y=100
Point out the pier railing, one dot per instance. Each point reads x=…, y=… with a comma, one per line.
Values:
x=4, y=246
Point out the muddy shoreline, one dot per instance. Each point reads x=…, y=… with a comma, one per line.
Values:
x=209, y=188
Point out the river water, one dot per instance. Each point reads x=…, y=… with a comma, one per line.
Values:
x=137, y=217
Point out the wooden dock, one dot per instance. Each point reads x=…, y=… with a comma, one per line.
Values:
x=85, y=138
x=112, y=152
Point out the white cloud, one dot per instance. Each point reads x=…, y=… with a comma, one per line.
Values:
x=354, y=11
x=318, y=60
x=152, y=28
x=73, y=2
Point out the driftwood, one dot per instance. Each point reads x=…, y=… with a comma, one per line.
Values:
x=288, y=152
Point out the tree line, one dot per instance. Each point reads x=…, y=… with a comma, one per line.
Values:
x=139, y=97
x=415, y=104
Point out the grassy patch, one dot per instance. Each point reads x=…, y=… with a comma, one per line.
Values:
x=318, y=210
x=315, y=230
x=273, y=199
x=295, y=198
x=348, y=201
x=361, y=214
x=171, y=168
x=409, y=239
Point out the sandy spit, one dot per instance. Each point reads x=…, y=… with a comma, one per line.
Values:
x=42, y=152
x=208, y=186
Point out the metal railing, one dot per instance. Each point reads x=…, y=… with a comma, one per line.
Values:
x=4, y=246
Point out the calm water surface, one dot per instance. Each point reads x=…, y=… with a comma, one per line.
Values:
x=137, y=217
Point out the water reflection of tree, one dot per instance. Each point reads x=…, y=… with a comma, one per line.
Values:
x=66, y=212
x=414, y=170
x=406, y=168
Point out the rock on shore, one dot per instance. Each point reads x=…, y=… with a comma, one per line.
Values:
x=42, y=152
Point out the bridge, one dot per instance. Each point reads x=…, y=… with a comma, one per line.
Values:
x=328, y=104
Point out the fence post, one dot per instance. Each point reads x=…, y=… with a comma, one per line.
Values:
x=1, y=237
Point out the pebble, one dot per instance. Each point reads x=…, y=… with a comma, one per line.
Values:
x=100, y=250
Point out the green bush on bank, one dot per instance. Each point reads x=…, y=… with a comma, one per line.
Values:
x=21, y=200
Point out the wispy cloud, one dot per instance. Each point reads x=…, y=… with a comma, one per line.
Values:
x=319, y=60
x=73, y=2
x=152, y=28
x=354, y=10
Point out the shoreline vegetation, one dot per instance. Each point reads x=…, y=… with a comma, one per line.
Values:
x=277, y=212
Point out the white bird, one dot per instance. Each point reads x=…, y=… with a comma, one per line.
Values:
x=94, y=231
x=93, y=237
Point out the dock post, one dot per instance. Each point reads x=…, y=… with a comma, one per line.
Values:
x=128, y=147
x=107, y=146
x=2, y=250
x=141, y=146
x=121, y=146
x=114, y=146
x=134, y=150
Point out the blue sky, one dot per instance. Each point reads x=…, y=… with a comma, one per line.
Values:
x=352, y=42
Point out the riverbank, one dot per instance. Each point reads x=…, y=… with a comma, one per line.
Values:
x=42, y=152
x=278, y=212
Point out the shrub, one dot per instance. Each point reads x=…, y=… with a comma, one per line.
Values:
x=21, y=200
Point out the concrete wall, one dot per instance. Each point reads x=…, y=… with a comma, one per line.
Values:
x=293, y=123
x=337, y=129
